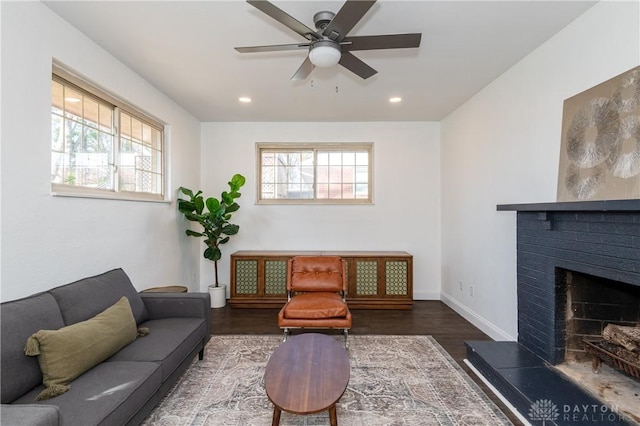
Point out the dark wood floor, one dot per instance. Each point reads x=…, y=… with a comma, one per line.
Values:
x=427, y=317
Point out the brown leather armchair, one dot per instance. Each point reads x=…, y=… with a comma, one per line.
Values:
x=316, y=295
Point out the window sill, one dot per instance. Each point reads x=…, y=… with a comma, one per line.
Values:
x=66, y=191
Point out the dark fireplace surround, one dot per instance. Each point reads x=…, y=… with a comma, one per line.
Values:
x=578, y=268
x=595, y=245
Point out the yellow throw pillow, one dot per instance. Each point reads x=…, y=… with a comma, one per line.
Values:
x=66, y=353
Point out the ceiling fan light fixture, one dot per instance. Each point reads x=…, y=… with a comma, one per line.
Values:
x=324, y=54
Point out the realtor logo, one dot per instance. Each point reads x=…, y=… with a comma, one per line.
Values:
x=544, y=410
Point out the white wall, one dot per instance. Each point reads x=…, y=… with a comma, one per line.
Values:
x=503, y=147
x=405, y=216
x=46, y=240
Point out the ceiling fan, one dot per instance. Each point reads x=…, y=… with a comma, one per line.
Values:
x=330, y=44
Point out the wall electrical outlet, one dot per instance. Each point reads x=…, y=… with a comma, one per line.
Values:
x=471, y=290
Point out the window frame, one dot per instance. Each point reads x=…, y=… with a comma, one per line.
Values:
x=66, y=77
x=315, y=147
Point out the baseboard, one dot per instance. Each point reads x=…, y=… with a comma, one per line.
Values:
x=426, y=296
x=488, y=328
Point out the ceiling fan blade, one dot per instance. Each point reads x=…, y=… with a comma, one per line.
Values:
x=356, y=66
x=391, y=41
x=285, y=19
x=346, y=18
x=304, y=70
x=272, y=48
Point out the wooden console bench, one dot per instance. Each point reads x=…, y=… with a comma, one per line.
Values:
x=375, y=279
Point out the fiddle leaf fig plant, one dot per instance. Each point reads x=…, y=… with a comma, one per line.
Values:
x=213, y=215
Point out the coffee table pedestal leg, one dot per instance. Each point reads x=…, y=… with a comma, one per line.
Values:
x=276, y=416
x=333, y=418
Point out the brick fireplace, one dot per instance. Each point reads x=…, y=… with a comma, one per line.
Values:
x=578, y=269
x=601, y=248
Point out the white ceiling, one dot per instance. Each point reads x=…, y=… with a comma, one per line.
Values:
x=185, y=49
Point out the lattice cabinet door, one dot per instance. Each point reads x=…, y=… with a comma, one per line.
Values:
x=275, y=277
x=366, y=277
x=396, y=277
x=246, y=276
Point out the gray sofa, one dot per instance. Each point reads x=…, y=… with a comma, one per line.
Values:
x=119, y=391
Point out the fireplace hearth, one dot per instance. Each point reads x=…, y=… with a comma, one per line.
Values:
x=578, y=270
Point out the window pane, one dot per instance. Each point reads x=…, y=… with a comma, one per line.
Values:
x=140, y=156
x=286, y=175
x=73, y=103
x=323, y=158
x=80, y=154
x=349, y=158
x=57, y=97
x=362, y=190
x=106, y=118
x=57, y=133
x=90, y=112
x=362, y=158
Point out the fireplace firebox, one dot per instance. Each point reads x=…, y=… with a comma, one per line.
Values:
x=592, y=303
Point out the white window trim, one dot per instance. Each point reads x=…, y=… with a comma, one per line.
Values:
x=62, y=190
x=368, y=146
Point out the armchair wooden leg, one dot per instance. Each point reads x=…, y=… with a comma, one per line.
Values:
x=346, y=338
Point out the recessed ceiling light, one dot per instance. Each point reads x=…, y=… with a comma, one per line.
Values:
x=395, y=99
x=244, y=99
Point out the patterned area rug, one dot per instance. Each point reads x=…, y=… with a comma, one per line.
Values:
x=395, y=380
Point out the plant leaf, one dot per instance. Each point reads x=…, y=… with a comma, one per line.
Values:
x=208, y=253
x=185, y=206
x=191, y=233
x=226, y=198
x=213, y=205
x=230, y=229
x=186, y=191
x=199, y=204
x=237, y=181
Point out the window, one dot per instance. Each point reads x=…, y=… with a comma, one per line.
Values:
x=315, y=173
x=102, y=147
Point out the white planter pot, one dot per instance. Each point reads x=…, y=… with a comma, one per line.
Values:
x=218, y=296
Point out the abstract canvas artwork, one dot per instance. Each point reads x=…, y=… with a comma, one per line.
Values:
x=600, y=145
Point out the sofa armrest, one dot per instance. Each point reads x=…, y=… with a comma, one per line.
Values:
x=172, y=305
x=29, y=415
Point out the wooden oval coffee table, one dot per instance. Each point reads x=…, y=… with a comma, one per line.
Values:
x=307, y=374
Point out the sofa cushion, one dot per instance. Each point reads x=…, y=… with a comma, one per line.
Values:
x=66, y=353
x=169, y=342
x=316, y=306
x=111, y=393
x=19, y=319
x=88, y=297
x=29, y=415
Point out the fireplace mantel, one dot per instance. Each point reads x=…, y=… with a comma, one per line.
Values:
x=575, y=206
